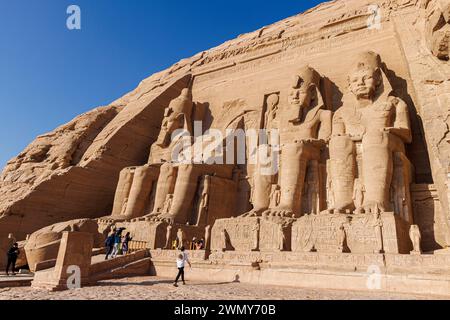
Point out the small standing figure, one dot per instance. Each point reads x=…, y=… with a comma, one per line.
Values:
x=378, y=225
x=168, y=237
x=416, y=238
x=180, y=238
x=223, y=240
x=330, y=193
x=168, y=203
x=207, y=237
x=275, y=196
x=12, y=254
x=358, y=196
x=255, y=231
x=342, y=239
x=281, y=238
x=312, y=188
x=124, y=207
x=204, y=201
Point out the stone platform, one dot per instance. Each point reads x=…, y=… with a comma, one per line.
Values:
x=418, y=274
x=324, y=233
x=15, y=281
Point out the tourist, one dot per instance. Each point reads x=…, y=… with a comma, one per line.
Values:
x=181, y=262
x=117, y=242
x=109, y=244
x=125, y=243
x=193, y=244
x=12, y=254
x=200, y=244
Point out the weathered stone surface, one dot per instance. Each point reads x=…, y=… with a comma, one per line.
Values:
x=360, y=164
x=72, y=264
x=43, y=245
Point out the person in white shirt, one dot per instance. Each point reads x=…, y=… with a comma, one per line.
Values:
x=181, y=262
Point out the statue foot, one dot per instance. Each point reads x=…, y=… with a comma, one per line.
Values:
x=165, y=218
x=347, y=209
x=279, y=213
x=152, y=217
x=374, y=207
x=253, y=214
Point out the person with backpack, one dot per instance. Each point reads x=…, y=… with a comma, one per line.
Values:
x=181, y=262
x=12, y=254
x=117, y=242
x=109, y=244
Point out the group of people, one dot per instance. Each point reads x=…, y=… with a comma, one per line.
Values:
x=117, y=244
x=197, y=244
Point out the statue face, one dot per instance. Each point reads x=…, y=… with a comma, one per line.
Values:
x=363, y=83
x=172, y=121
x=301, y=96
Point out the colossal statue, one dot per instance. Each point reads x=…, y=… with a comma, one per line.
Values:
x=136, y=184
x=305, y=127
x=166, y=188
x=374, y=128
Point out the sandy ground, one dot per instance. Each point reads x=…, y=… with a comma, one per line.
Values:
x=152, y=288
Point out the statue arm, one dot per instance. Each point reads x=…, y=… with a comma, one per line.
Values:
x=325, y=130
x=402, y=124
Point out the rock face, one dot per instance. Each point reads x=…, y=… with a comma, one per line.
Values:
x=359, y=93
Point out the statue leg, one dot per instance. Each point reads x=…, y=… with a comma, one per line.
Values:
x=140, y=191
x=294, y=162
x=166, y=184
x=261, y=190
x=377, y=171
x=123, y=190
x=184, y=194
x=343, y=168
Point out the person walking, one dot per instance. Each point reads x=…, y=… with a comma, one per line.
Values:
x=125, y=243
x=117, y=241
x=181, y=262
x=109, y=244
x=12, y=254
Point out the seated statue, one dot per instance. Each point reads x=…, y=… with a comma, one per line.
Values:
x=305, y=127
x=173, y=182
x=374, y=128
x=136, y=183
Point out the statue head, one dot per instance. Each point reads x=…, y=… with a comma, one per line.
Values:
x=177, y=116
x=305, y=88
x=273, y=100
x=366, y=77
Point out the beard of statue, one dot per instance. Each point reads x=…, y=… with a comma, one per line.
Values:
x=364, y=82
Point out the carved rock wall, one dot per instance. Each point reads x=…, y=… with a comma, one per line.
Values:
x=233, y=80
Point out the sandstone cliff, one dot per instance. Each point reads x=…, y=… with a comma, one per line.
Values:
x=73, y=172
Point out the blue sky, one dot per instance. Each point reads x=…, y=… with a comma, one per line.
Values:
x=49, y=74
